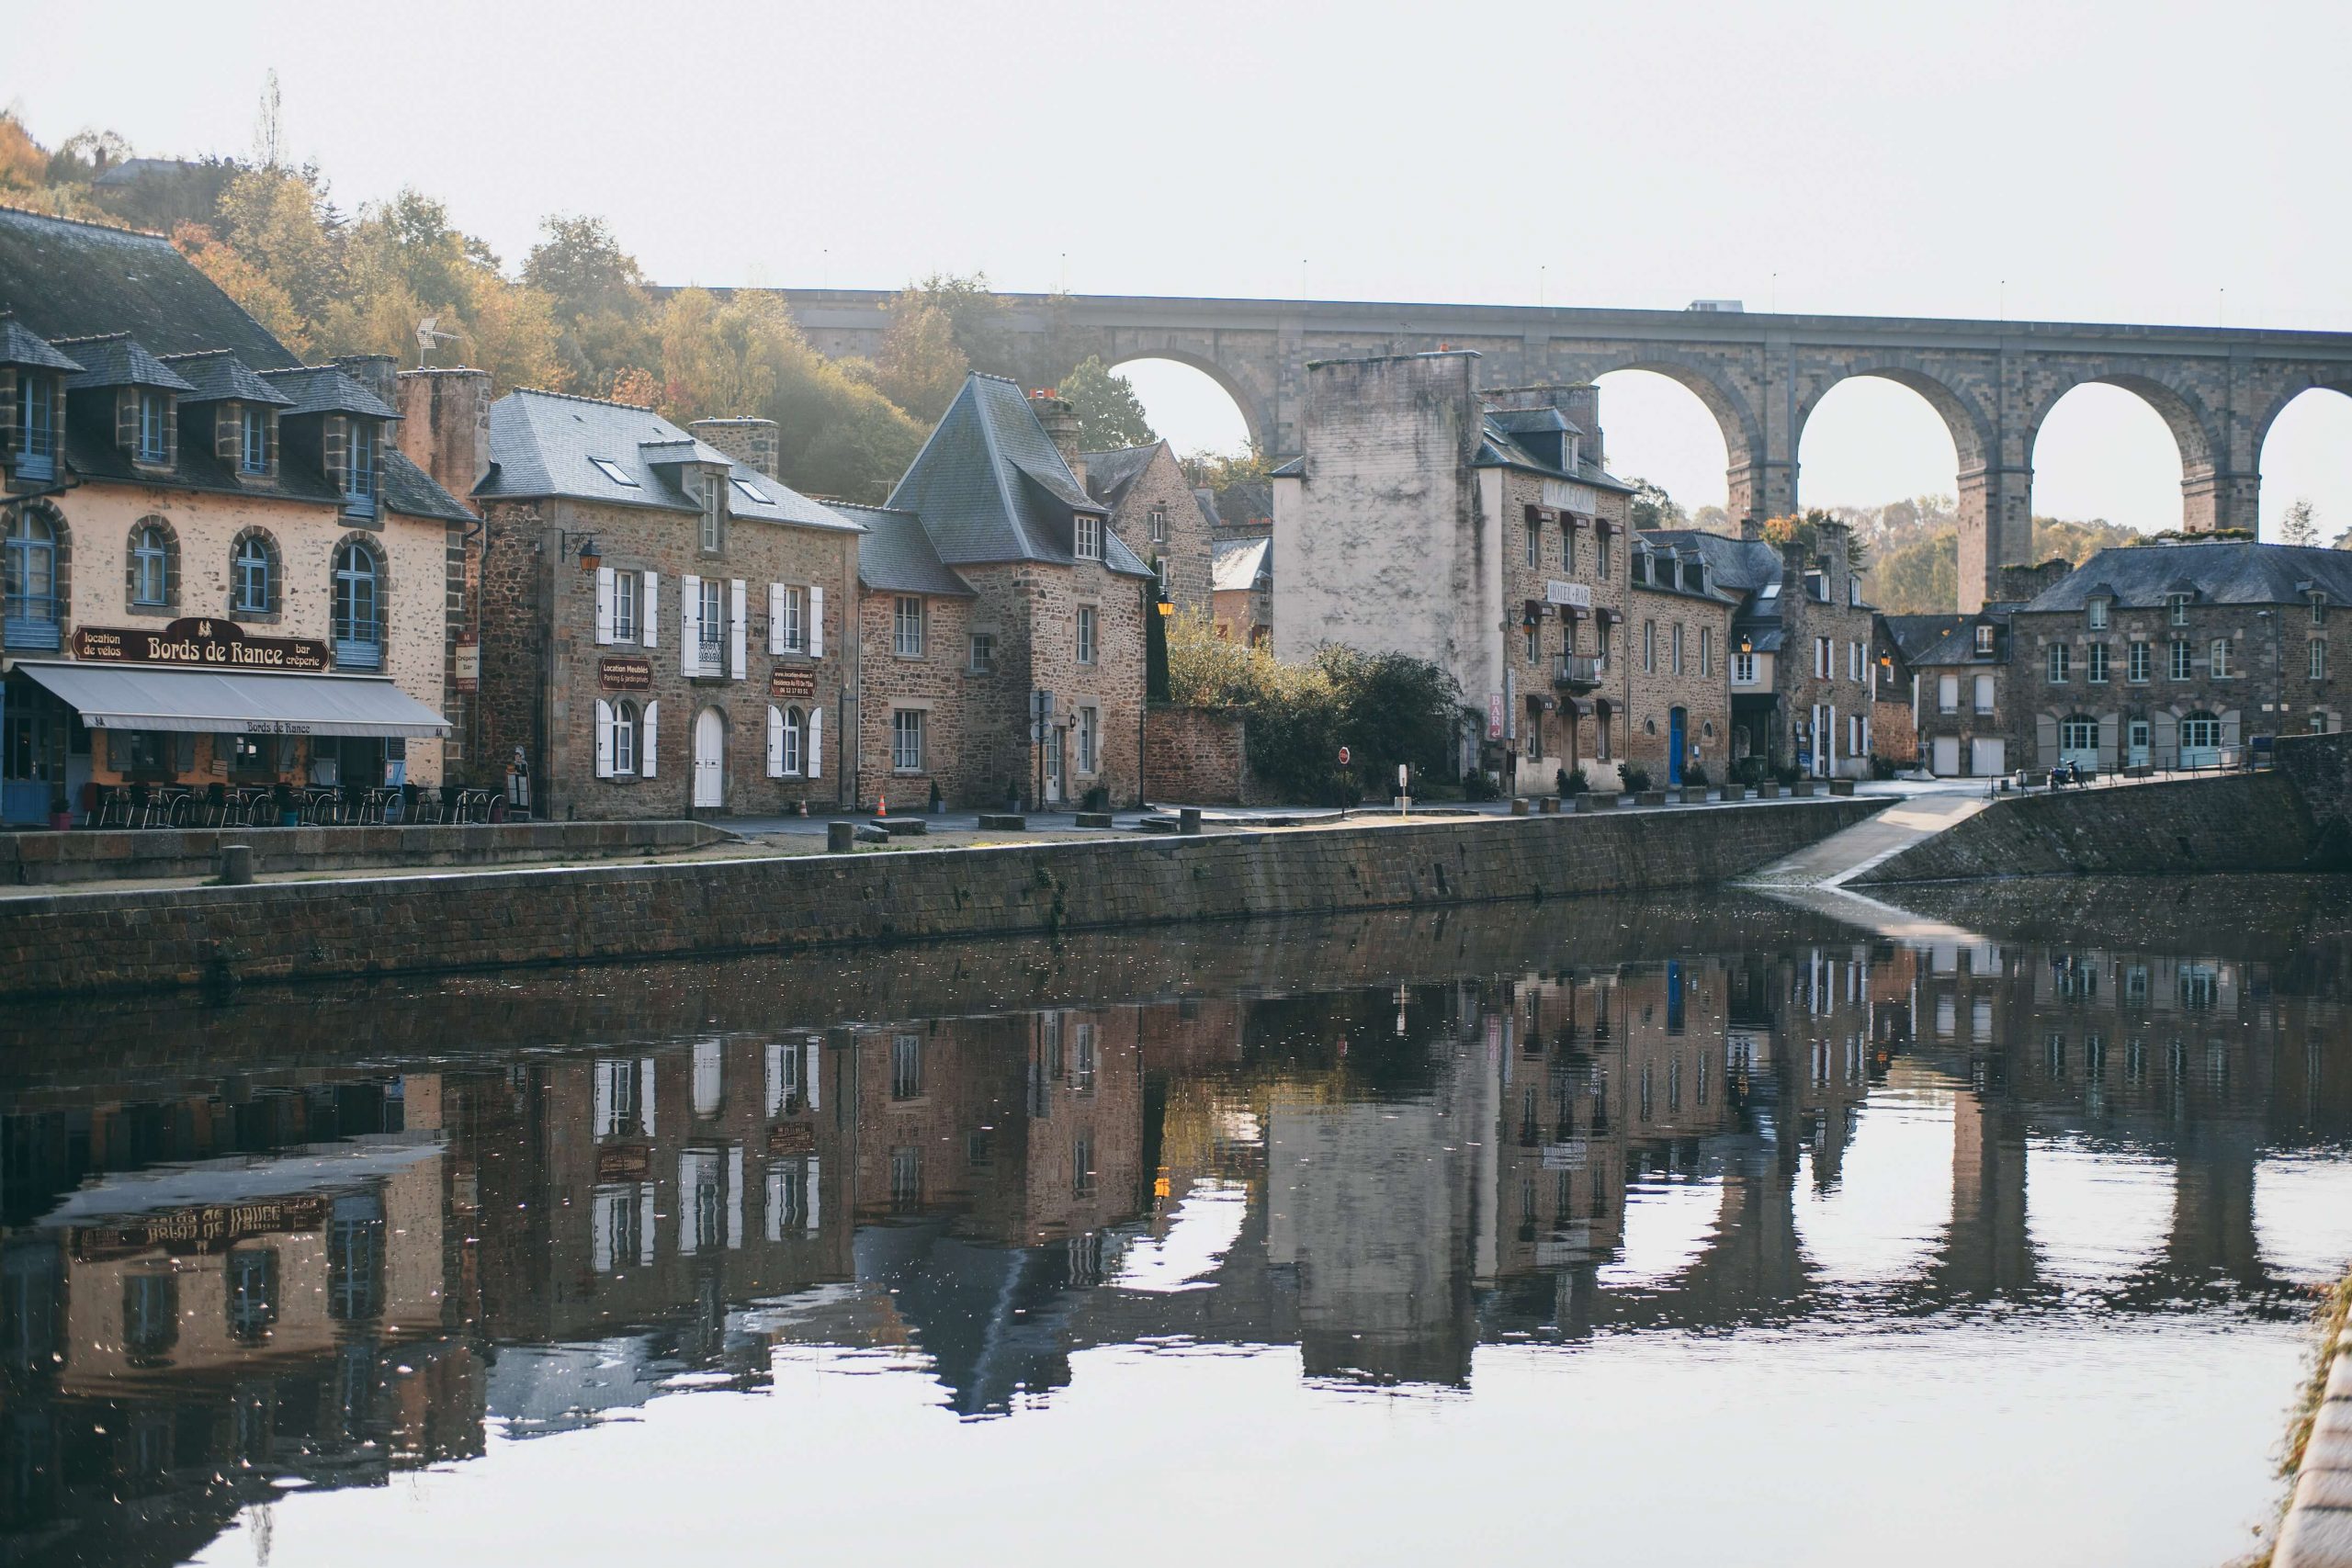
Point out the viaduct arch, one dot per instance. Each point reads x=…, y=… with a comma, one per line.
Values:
x=2218, y=389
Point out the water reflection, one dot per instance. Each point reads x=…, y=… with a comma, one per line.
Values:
x=1656, y=1122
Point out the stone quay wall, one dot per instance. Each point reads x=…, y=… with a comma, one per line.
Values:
x=37, y=859
x=2292, y=817
x=1199, y=757
x=91, y=942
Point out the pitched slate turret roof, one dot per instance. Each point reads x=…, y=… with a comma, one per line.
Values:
x=64, y=278
x=1109, y=475
x=550, y=444
x=990, y=487
x=2225, y=572
x=896, y=556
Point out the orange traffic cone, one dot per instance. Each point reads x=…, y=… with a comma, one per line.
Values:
x=883, y=809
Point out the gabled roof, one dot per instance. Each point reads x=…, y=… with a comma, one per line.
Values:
x=1499, y=447
x=18, y=346
x=409, y=489
x=1243, y=565
x=1913, y=635
x=1205, y=499
x=896, y=556
x=117, y=360
x=325, y=388
x=64, y=278
x=1109, y=475
x=1739, y=565
x=990, y=485
x=545, y=443
x=217, y=376
x=2225, y=572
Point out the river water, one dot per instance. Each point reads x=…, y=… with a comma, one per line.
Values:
x=1708, y=1231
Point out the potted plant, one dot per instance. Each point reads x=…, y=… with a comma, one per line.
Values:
x=61, y=810
x=1694, y=783
x=938, y=803
x=1572, y=783
x=281, y=800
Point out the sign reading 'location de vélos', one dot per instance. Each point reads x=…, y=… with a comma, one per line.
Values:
x=198, y=641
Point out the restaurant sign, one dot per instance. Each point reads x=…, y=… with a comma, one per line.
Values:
x=626, y=674
x=209, y=1227
x=198, y=641
x=792, y=681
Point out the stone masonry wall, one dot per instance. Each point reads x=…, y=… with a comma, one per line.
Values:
x=1198, y=757
x=934, y=684
x=1699, y=687
x=1162, y=487
x=109, y=941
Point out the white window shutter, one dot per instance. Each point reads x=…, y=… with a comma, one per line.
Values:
x=690, y=625
x=816, y=761
x=603, y=739
x=603, y=606
x=776, y=741
x=651, y=743
x=816, y=623
x=650, y=613
x=737, y=600
x=808, y=1076
x=775, y=617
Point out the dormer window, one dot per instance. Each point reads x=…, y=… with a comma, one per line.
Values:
x=1985, y=639
x=2099, y=614
x=359, y=469
x=154, y=438
x=1090, y=536
x=253, y=439
x=36, y=426
x=714, y=513
x=2319, y=609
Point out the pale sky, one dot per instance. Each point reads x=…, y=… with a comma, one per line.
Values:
x=2143, y=161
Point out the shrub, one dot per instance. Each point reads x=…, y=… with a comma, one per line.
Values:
x=1095, y=800
x=1881, y=767
x=1573, y=782
x=1695, y=777
x=1476, y=785
x=1786, y=774
x=1636, y=777
x=1749, y=770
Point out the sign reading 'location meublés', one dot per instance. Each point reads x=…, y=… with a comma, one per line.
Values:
x=626, y=674
x=198, y=641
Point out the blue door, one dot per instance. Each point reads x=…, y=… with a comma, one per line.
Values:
x=1675, y=720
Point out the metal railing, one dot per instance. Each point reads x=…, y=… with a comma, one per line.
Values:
x=1580, y=669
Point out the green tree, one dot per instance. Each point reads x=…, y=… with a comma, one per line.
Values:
x=2298, y=526
x=976, y=319
x=1653, y=508
x=283, y=226
x=1108, y=413
x=598, y=299
x=921, y=368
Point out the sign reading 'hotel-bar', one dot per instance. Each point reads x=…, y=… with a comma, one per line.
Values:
x=198, y=641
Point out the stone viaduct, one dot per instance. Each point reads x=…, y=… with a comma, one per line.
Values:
x=2218, y=389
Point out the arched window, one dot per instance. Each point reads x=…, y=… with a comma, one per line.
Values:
x=31, y=591
x=358, y=606
x=154, y=567
x=252, y=575
x=625, y=721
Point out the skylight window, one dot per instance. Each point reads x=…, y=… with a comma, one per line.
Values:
x=754, y=492
x=614, y=472
x=1771, y=591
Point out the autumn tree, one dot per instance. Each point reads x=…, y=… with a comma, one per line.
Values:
x=1653, y=508
x=604, y=313
x=920, y=367
x=1108, y=414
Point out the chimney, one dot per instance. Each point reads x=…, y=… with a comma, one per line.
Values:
x=376, y=372
x=1751, y=526
x=751, y=442
x=1052, y=411
x=1581, y=404
x=445, y=425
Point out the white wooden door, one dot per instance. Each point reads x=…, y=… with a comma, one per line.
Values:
x=710, y=759
x=1988, y=759
x=1947, y=756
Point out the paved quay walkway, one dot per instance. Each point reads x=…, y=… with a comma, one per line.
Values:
x=1815, y=877
x=2317, y=1532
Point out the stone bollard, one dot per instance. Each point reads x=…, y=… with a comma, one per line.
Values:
x=840, y=838
x=236, y=865
x=1188, y=818
x=1547, y=805
x=1519, y=806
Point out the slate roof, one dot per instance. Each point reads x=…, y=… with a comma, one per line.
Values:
x=1205, y=499
x=325, y=388
x=217, y=376
x=1109, y=475
x=1241, y=565
x=18, y=346
x=117, y=360
x=540, y=444
x=2229, y=572
x=990, y=485
x=67, y=279
x=409, y=489
x=1913, y=635
x=896, y=556
x=1499, y=447
x=1740, y=565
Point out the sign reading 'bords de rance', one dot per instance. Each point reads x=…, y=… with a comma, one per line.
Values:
x=198, y=641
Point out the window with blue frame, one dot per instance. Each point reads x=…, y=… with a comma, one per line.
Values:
x=253, y=571
x=150, y=567
x=252, y=447
x=358, y=601
x=28, y=597
x=154, y=426
x=37, y=427
x=359, y=469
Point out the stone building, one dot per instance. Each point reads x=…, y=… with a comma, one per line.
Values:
x=1156, y=514
x=1804, y=675
x=1475, y=529
x=1677, y=633
x=2178, y=655
x=1242, y=590
x=1056, y=617
x=917, y=663
x=664, y=626
x=219, y=571
x=1954, y=670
